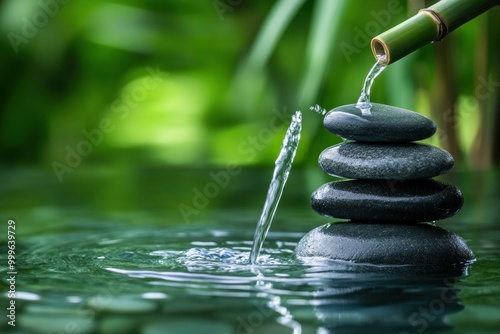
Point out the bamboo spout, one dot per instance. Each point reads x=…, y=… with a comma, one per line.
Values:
x=429, y=25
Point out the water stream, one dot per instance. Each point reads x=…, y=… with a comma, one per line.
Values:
x=364, y=99
x=282, y=168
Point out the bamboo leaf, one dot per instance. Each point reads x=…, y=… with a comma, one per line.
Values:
x=272, y=30
x=250, y=83
x=325, y=26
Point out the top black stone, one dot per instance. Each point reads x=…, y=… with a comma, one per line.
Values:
x=383, y=124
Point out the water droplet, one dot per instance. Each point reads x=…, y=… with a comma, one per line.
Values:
x=317, y=108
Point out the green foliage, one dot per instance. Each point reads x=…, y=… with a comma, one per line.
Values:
x=230, y=75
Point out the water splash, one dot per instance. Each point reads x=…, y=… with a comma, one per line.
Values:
x=319, y=109
x=364, y=99
x=281, y=170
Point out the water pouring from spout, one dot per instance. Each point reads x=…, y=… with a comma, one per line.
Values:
x=364, y=99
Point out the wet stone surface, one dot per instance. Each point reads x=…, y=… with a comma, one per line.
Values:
x=421, y=247
x=391, y=195
x=409, y=201
x=378, y=161
x=384, y=124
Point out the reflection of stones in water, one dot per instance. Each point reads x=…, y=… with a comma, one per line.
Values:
x=399, y=305
x=386, y=254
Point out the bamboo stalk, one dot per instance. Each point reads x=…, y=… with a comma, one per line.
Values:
x=429, y=25
x=445, y=96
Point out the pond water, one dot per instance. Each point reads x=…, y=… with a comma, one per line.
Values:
x=149, y=250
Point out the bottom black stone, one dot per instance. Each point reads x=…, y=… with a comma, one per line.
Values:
x=414, y=248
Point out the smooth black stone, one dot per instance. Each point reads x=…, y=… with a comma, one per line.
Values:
x=383, y=124
x=426, y=247
x=409, y=201
x=385, y=161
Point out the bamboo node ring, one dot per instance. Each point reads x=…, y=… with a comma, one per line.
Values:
x=441, y=25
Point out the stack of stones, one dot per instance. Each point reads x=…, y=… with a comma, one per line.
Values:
x=391, y=196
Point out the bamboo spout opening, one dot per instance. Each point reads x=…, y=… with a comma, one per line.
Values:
x=428, y=25
x=381, y=51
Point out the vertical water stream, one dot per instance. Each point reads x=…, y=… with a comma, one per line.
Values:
x=281, y=170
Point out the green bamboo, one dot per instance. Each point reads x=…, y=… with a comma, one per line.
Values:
x=429, y=25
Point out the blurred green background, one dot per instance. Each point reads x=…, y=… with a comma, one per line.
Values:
x=205, y=83
x=119, y=113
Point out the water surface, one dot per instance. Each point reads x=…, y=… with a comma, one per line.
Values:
x=98, y=257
